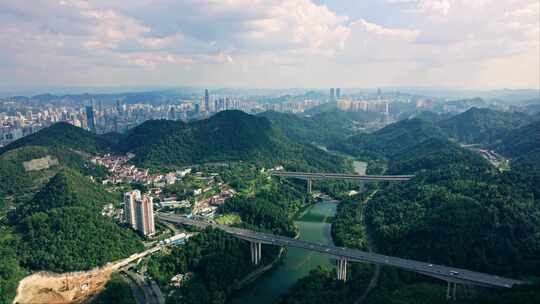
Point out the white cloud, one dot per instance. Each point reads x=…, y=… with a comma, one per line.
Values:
x=296, y=42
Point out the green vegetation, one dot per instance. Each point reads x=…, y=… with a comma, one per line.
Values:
x=228, y=219
x=270, y=209
x=458, y=211
x=226, y=136
x=62, y=135
x=116, y=291
x=482, y=125
x=69, y=188
x=389, y=140
x=73, y=238
x=522, y=144
x=16, y=181
x=10, y=270
x=325, y=128
x=217, y=260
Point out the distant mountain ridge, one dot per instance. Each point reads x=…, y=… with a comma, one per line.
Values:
x=482, y=124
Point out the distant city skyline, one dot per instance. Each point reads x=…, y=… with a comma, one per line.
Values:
x=475, y=44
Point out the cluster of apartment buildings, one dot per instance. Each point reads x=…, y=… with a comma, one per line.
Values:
x=139, y=212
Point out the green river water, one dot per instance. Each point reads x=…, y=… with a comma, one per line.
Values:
x=298, y=262
x=314, y=227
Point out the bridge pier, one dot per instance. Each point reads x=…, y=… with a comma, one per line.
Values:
x=451, y=291
x=309, y=185
x=342, y=269
x=256, y=252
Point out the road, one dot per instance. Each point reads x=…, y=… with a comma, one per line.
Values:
x=450, y=274
x=150, y=297
x=371, y=248
x=310, y=175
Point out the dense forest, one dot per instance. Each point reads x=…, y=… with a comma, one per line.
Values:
x=62, y=135
x=62, y=228
x=16, y=181
x=217, y=261
x=458, y=210
x=322, y=128
x=226, y=136
x=482, y=125
x=116, y=291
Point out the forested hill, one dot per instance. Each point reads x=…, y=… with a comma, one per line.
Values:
x=62, y=229
x=523, y=145
x=226, y=136
x=482, y=125
x=323, y=128
x=62, y=135
x=390, y=139
x=41, y=164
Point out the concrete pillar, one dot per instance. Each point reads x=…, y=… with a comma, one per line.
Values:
x=342, y=269
x=309, y=185
x=454, y=293
x=448, y=290
x=256, y=252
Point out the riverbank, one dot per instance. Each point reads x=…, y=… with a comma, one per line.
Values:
x=297, y=263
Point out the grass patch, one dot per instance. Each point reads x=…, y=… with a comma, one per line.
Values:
x=228, y=219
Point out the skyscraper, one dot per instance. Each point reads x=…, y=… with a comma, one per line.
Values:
x=332, y=96
x=129, y=207
x=206, y=101
x=139, y=212
x=338, y=93
x=144, y=213
x=118, y=107
x=90, y=118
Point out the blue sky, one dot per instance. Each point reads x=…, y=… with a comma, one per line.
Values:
x=473, y=44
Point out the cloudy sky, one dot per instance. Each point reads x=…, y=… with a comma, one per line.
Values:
x=477, y=44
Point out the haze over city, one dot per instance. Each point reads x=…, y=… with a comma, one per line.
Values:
x=472, y=44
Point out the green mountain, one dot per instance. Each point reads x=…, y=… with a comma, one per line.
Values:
x=62, y=135
x=522, y=144
x=390, y=139
x=434, y=154
x=62, y=228
x=24, y=170
x=69, y=188
x=226, y=136
x=322, y=128
x=73, y=238
x=482, y=125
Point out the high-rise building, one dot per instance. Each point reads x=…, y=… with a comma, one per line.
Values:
x=118, y=107
x=332, y=95
x=206, y=101
x=129, y=207
x=139, y=212
x=90, y=118
x=144, y=213
x=338, y=93
x=172, y=114
x=379, y=93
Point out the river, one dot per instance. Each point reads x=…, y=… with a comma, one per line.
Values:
x=313, y=226
x=297, y=263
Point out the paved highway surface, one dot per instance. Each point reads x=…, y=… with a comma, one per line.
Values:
x=309, y=175
x=450, y=274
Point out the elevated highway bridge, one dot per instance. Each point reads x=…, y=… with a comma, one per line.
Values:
x=452, y=275
x=310, y=176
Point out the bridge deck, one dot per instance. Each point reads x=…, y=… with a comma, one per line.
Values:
x=450, y=274
x=321, y=175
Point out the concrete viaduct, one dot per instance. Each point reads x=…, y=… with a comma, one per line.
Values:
x=309, y=177
x=451, y=275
